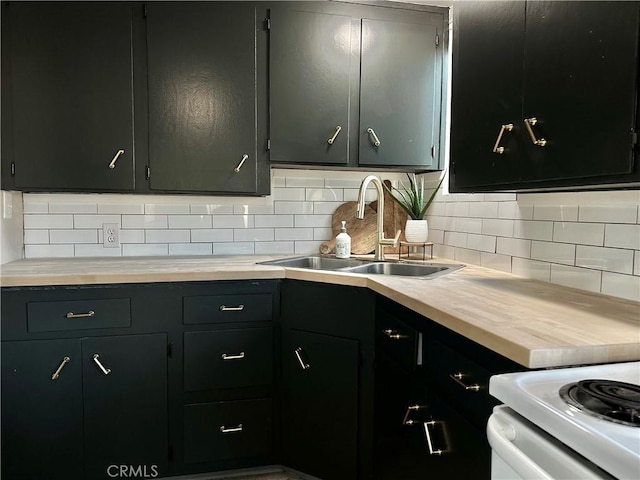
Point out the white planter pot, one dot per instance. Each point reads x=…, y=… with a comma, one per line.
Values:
x=416, y=231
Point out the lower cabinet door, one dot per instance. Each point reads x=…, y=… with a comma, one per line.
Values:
x=125, y=405
x=41, y=410
x=418, y=434
x=227, y=430
x=320, y=404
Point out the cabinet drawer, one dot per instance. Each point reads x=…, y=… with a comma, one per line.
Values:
x=227, y=430
x=399, y=340
x=228, y=308
x=228, y=358
x=463, y=380
x=78, y=315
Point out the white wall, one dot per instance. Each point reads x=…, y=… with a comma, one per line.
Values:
x=11, y=226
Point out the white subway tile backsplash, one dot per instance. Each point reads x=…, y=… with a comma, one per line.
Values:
x=483, y=243
x=622, y=236
x=320, y=208
x=455, y=239
x=625, y=286
x=210, y=209
x=500, y=228
x=251, y=209
x=500, y=197
x=265, y=248
x=34, y=237
x=564, y=253
x=73, y=208
x=323, y=234
x=233, y=221
x=579, y=233
x=576, y=277
x=465, y=255
x=190, y=249
x=304, y=182
x=44, y=251
x=533, y=230
x=437, y=209
x=261, y=221
x=324, y=195
x=253, y=235
x=531, y=269
x=351, y=183
x=190, y=221
x=306, y=247
x=351, y=195
x=294, y=233
x=435, y=236
x=73, y=236
x=32, y=206
x=144, y=221
x=608, y=214
x=48, y=221
x=312, y=220
x=483, y=209
x=636, y=263
x=167, y=236
x=609, y=259
x=561, y=213
x=457, y=209
x=292, y=208
x=127, y=236
x=290, y=194
x=165, y=208
x=495, y=261
x=212, y=235
x=277, y=181
x=468, y=225
x=96, y=250
x=515, y=211
x=444, y=251
x=235, y=248
x=514, y=247
x=442, y=223
x=121, y=208
x=94, y=221
x=146, y=249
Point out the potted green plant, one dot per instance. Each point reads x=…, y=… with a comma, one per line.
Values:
x=411, y=199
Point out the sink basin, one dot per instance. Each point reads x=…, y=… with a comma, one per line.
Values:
x=316, y=262
x=351, y=265
x=404, y=269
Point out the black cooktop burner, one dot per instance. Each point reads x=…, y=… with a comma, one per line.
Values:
x=615, y=401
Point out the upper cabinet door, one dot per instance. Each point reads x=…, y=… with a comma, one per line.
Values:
x=310, y=76
x=202, y=96
x=488, y=41
x=72, y=87
x=580, y=81
x=399, y=94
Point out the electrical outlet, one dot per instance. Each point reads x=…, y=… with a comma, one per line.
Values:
x=111, y=235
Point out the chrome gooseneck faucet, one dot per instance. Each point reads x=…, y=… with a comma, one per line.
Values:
x=381, y=241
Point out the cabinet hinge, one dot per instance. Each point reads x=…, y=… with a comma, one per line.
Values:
x=437, y=40
x=13, y=169
x=634, y=139
x=268, y=144
x=267, y=24
x=170, y=349
x=148, y=173
x=144, y=10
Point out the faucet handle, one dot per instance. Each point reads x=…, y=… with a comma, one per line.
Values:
x=391, y=241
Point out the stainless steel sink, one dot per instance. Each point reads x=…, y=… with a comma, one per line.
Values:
x=352, y=265
x=316, y=262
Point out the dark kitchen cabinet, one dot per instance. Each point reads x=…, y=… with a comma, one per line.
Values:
x=327, y=380
x=202, y=82
x=340, y=92
x=68, y=78
x=544, y=95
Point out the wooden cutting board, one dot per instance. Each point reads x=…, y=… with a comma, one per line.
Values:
x=362, y=232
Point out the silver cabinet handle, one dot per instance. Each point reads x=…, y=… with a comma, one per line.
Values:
x=224, y=308
x=244, y=159
x=427, y=432
x=335, y=134
x=233, y=357
x=412, y=408
x=497, y=148
x=303, y=364
x=528, y=123
x=112, y=165
x=224, y=429
x=90, y=313
x=393, y=334
x=376, y=140
x=457, y=377
x=56, y=374
x=96, y=359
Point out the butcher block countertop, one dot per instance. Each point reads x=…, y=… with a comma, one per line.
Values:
x=533, y=323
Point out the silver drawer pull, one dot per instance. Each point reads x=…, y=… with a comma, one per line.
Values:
x=412, y=408
x=224, y=308
x=376, y=140
x=96, y=359
x=112, y=165
x=90, y=313
x=224, y=429
x=335, y=135
x=393, y=334
x=233, y=357
x=244, y=159
x=303, y=364
x=431, y=425
x=457, y=377
x=56, y=374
